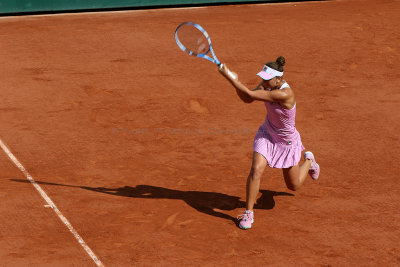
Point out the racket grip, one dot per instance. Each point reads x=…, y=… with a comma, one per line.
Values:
x=232, y=75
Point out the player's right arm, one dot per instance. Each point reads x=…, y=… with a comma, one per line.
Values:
x=249, y=96
x=246, y=98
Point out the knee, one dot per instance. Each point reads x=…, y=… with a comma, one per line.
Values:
x=292, y=187
x=256, y=171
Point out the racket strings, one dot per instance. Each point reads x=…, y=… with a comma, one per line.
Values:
x=193, y=40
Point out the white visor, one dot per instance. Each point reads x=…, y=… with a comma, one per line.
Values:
x=268, y=73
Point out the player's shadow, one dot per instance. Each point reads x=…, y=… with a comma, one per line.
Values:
x=211, y=203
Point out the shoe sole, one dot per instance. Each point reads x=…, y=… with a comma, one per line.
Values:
x=315, y=179
x=245, y=228
x=313, y=159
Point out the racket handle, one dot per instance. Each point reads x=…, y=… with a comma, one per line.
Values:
x=232, y=75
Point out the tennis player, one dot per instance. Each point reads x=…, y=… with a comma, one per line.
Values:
x=277, y=142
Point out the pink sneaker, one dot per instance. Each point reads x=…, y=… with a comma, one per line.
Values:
x=246, y=219
x=314, y=168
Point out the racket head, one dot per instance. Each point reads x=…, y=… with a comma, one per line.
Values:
x=192, y=39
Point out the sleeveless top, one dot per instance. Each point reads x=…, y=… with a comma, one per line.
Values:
x=280, y=122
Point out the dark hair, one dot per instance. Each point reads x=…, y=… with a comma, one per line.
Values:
x=278, y=64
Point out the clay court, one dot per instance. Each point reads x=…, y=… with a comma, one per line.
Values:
x=146, y=150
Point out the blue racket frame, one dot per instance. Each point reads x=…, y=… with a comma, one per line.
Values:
x=214, y=58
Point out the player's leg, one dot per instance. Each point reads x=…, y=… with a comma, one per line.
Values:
x=296, y=175
x=253, y=181
x=252, y=188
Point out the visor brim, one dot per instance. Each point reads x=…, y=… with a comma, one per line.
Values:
x=265, y=76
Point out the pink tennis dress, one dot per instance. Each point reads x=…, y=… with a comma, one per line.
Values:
x=277, y=138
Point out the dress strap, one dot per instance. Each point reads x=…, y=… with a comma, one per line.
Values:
x=284, y=85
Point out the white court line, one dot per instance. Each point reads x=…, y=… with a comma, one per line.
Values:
x=51, y=204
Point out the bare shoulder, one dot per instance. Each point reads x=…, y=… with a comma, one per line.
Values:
x=283, y=94
x=289, y=100
x=288, y=91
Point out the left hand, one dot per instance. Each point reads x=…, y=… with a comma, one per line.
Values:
x=223, y=69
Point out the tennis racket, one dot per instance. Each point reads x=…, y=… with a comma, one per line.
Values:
x=194, y=40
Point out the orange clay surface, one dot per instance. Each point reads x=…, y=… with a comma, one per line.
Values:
x=146, y=150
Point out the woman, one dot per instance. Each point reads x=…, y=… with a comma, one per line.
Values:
x=277, y=142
